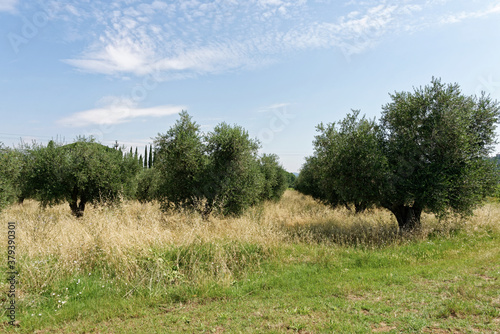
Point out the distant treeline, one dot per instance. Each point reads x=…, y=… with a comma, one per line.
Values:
x=219, y=172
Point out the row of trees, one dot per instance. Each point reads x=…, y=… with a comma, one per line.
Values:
x=147, y=161
x=217, y=172
x=429, y=151
x=79, y=173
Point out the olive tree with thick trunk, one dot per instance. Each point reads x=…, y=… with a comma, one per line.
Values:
x=79, y=173
x=437, y=141
x=428, y=153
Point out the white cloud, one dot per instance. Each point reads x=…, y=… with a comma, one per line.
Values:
x=273, y=107
x=459, y=17
x=182, y=38
x=8, y=5
x=119, y=111
x=128, y=47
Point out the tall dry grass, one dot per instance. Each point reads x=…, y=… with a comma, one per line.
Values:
x=139, y=244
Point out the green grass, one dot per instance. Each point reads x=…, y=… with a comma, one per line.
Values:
x=442, y=284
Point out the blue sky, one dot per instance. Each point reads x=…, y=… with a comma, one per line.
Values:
x=122, y=70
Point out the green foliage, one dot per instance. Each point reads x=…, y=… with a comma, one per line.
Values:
x=275, y=177
x=233, y=181
x=310, y=183
x=10, y=167
x=147, y=185
x=92, y=173
x=428, y=153
x=436, y=143
x=27, y=155
x=150, y=160
x=45, y=173
x=496, y=161
x=129, y=169
x=79, y=173
x=350, y=160
x=291, y=178
x=180, y=162
x=219, y=172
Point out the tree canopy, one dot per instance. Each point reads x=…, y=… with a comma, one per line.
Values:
x=216, y=172
x=10, y=168
x=429, y=152
x=78, y=173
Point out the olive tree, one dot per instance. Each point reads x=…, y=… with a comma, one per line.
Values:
x=79, y=173
x=147, y=185
x=311, y=182
x=233, y=181
x=10, y=167
x=351, y=161
x=215, y=172
x=437, y=141
x=429, y=152
x=275, y=177
x=180, y=163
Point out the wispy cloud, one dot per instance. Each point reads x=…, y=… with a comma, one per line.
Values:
x=8, y=5
x=273, y=107
x=178, y=38
x=464, y=15
x=119, y=111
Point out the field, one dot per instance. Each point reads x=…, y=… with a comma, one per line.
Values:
x=291, y=266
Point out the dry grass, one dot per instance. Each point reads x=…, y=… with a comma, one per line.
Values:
x=137, y=240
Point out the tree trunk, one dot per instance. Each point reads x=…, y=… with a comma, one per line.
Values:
x=360, y=207
x=408, y=217
x=76, y=209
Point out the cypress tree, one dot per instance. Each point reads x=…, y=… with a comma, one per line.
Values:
x=150, y=156
x=145, y=156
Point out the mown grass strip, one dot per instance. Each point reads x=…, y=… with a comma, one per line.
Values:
x=440, y=284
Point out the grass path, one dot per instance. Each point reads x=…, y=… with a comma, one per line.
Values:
x=439, y=285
